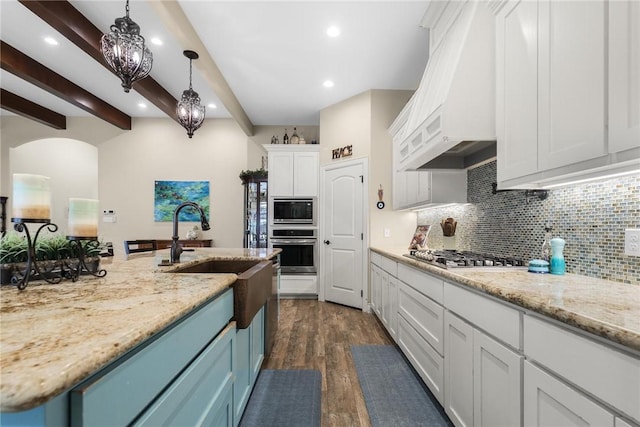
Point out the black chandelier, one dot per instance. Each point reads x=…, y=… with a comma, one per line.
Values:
x=190, y=112
x=125, y=51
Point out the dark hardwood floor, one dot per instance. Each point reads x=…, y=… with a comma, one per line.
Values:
x=318, y=335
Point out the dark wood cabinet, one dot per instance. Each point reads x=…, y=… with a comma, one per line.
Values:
x=206, y=243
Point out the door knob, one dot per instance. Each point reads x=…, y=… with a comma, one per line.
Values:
x=327, y=242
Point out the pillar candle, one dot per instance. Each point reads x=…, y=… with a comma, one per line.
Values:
x=31, y=196
x=83, y=218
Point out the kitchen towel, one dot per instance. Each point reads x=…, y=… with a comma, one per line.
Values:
x=285, y=398
x=394, y=394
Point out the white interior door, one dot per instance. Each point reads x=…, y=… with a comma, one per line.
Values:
x=342, y=241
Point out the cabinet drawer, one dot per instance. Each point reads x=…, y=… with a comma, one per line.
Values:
x=121, y=393
x=205, y=384
x=550, y=402
x=426, y=361
x=386, y=264
x=422, y=282
x=495, y=318
x=604, y=372
x=423, y=314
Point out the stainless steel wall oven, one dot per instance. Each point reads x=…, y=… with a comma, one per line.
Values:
x=299, y=249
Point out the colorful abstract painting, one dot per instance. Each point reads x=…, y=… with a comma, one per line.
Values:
x=169, y=195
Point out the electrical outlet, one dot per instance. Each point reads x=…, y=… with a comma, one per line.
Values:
x=632, y=241
x=387, y=232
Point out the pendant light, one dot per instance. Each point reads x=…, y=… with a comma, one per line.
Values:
x=190, y=112
x=125, y=51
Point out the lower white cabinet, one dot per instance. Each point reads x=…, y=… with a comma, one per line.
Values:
x=376, y=289
x=424, y=359
x=384, y=292
x=497, y=396
x=482, y=377
x=490, y=363
x=550, y=402
x=299, y=285
x=458, y=370
x=391, y=304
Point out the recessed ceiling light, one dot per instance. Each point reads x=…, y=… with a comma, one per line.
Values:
x=51, y=41
x=156, y=41
x=333, y=31
x=142, y=105
x=212, y=105
x=327, y=83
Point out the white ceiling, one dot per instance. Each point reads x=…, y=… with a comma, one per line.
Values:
x=275, y=55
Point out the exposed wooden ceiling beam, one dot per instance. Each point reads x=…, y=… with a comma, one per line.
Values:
x=68, y=21
x=25, y=108
x=177, y=22
x=25, y=67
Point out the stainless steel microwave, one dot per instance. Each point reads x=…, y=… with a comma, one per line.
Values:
x=293, y=210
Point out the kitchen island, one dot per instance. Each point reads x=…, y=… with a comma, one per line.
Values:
x=52, y=337
x=502, y=346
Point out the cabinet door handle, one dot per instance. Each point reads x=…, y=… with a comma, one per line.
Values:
x=327, y=242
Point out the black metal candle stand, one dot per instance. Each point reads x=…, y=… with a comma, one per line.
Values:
x=21, y=279
x=82, y=266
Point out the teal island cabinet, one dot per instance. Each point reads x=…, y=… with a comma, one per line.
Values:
x=104, y=352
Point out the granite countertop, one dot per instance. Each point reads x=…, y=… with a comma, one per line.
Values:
x=54, y=336
x=601, y=307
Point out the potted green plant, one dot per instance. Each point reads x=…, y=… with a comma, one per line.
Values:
x=253, y=175
x=54, y=253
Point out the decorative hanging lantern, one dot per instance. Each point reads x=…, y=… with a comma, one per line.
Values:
x=190, y=112
x=125, y=51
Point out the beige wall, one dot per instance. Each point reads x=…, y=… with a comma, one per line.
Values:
x=52, y=157
x=385, y=107
x=155, y=149
x=362, y=121
x=346, y=123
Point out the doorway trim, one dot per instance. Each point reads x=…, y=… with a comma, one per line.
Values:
x=364, y=161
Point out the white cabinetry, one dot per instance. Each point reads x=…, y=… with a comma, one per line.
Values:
x=298, y=285
x=490, y=363
x=549, y=402
x=293, y=170
x=606, y=374
x=416, y=189
x=482, y=376
x=384, y=290
x=552, y=93
x=496, y=383
x=458, y=370
x=420, y=326
x=624, y=76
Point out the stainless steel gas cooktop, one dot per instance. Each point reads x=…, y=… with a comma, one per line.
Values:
x=455, y=259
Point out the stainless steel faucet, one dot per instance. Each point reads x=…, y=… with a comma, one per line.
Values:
x=176, y=249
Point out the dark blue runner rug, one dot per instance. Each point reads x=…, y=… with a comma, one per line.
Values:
x=393, y=392
x=285, y=398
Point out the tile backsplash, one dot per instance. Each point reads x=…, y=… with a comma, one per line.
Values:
x=590, y=217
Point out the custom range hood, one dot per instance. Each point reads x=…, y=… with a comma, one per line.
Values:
x=449, y=122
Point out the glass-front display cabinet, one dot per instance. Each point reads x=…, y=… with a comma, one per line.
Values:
x=255, y=212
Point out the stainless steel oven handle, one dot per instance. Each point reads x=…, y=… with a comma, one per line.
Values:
x=293, y=241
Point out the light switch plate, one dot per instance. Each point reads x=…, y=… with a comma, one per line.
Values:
x=632, y=241
x=387, y=232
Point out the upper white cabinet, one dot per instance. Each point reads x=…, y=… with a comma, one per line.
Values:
x=624, y=76
x=418, y=189
x=552, y=90
x=293, y=170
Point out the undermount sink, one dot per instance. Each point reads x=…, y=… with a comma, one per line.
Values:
x=250, y=292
